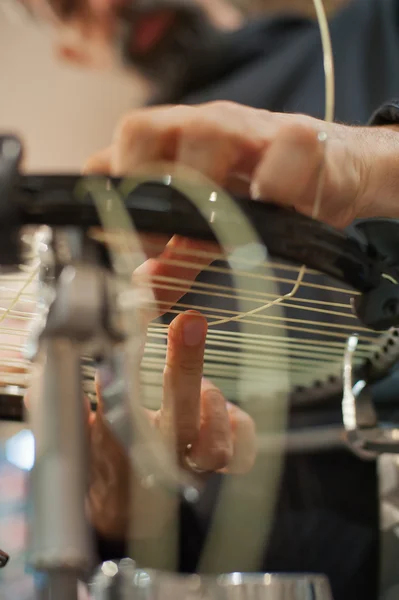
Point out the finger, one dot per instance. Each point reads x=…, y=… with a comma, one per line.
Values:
x=99, y=163
x=180, y=410
x=145, y=137
x=209, y=150
x=244, y=440
x=213, y=138
x=221, y=141
x=213, y=449
x=142, y=137
x=288, y=173
x=171, y=274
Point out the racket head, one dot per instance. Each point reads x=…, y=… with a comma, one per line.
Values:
x=309, y=349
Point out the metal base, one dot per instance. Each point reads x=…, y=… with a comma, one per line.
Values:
x=119, y=582
x=59, y=585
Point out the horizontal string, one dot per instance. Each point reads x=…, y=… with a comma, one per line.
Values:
x=200, y=287
x=234, y=313
x=240, y=339
x=250, y=275
x=158, y=249
x=265, y=321
x=262, y=354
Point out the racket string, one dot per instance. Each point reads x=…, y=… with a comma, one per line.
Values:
x=14, y=319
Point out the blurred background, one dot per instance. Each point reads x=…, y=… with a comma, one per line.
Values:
x=64, y=114
x=49, y=103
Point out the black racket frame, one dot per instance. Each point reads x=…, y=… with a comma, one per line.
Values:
x=365, y=260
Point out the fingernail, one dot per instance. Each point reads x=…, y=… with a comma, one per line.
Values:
x=254, y=191
x=194, y=331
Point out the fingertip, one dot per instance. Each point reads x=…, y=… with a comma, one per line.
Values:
x=98, y=164
x=190, y=314
x=191, y=328
x=194, y=329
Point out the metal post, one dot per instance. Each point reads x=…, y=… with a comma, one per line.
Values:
x=60, y=537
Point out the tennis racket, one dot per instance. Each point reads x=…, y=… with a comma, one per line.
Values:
x=297, y=321
x=358, y=268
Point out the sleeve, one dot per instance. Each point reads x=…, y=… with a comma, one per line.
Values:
x=387, y=114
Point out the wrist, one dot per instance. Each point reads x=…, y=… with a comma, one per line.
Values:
x=379, y=187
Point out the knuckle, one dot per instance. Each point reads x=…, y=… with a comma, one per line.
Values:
x=190, y=366
x=248, y=424
x=208, y=119
x=97, y=162
x=181, y=367
x=182, y=110
x=221, y=454
x=132, y=126
x=213, y=395
x=247, y=462
x=198, y=129
x=90, y=164
x=222, y=106
x=123, y=127
x=247, y=431
x=302, y=134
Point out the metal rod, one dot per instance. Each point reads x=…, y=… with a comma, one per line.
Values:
x=60, y=542
x=59, y=585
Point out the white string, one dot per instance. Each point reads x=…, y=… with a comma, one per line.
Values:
x=328, y=63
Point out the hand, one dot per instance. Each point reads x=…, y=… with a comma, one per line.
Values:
x=214, y=434
x=280, y=154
